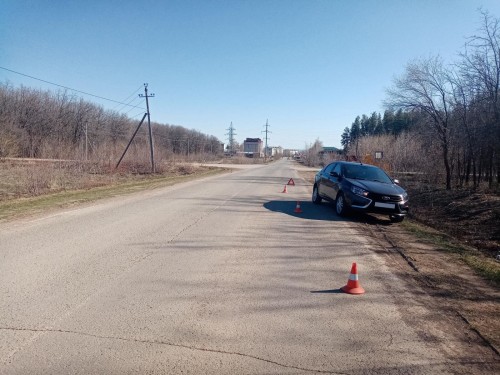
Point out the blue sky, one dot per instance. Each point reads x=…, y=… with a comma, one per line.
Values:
x=310, y=66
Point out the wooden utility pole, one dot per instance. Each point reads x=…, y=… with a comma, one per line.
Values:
x=138, y=127
x=149, y=125
x=86, y=141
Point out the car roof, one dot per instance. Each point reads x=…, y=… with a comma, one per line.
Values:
x=354, y=163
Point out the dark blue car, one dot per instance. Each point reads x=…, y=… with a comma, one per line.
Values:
x=360, y=187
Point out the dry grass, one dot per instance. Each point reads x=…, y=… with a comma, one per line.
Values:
x=243, y=160
x=32, y=187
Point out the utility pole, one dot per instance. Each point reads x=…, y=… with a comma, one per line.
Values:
x=265, y=147
x=231, y=135
x=86, y=141
x=149, y=124
x=139, y=126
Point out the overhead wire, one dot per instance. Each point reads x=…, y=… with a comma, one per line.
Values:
x=137, y=115
x=119, y=107
x=128, y=97
x=126, y=113
x=69, y=88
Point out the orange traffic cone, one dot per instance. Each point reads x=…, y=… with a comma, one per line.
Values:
x=298, y=210
x=291, y=182
x=284, y=190
x=353, y=286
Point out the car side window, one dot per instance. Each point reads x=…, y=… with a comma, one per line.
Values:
x=328, y=169
x=346, y=172
x=337, y=169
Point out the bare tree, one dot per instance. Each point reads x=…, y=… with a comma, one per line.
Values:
x=35, y=123
x=480, y=67
x=312, y=154
x=465, y=111
x=425, y=88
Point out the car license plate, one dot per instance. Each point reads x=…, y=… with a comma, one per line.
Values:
x=385, y=205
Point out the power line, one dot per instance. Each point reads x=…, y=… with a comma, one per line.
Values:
x=69, y=88
x=130, y=110
x=134, y=98
x=133, y=94
x=137, y=115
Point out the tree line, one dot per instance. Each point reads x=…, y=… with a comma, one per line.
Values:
x=393, y=123
x=58, y=125
x=449, y=112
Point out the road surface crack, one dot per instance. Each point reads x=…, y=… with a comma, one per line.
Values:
x=172, y=344
x=199, y=219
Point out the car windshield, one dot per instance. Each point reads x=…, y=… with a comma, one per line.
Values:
x=366, y=172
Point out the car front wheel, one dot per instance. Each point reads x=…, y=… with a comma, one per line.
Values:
x=340, y=205
x=316, y=199
x=396, y=218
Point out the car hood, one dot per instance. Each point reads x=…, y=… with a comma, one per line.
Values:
x=378, y=187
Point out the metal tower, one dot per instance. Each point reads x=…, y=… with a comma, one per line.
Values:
x=267, y=126
x=230, y=138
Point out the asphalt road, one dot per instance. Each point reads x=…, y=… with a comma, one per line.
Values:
x=215, y=276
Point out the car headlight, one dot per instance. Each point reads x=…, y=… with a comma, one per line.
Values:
x=358, y=191
x=405, y=196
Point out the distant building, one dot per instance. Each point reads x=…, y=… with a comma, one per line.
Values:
x=330, y=150
x=328, y=154
x=289, y=152
x=252, y=147
x=274, y=151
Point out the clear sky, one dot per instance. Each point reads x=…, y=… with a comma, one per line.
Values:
x=309, y=66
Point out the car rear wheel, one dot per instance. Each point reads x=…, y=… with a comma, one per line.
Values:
x=340, y=205
x=316, y=199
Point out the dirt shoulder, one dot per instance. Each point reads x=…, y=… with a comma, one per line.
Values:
x=451, y=288
x=440, y=265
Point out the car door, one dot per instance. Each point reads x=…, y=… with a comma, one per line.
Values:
x=335, y=177
x=326, y=184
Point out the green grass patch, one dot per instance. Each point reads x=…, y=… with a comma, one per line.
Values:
x=486, y=267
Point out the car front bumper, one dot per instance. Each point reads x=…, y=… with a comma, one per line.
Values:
x=366, y=204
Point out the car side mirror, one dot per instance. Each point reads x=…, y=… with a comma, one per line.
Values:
x=396, y=181
x=336, y=175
